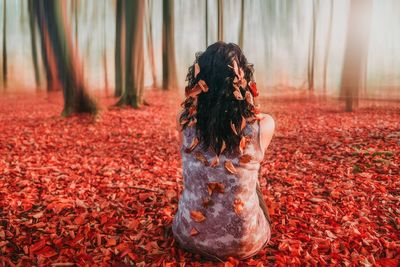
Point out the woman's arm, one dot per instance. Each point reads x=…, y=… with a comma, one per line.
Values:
x=267, y=128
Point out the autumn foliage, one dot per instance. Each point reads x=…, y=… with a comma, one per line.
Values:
x=102, y=191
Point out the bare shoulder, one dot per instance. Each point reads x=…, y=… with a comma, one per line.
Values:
x=267, y=123
x=267, y=128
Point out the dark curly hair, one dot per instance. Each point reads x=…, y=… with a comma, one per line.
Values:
x=217, y=111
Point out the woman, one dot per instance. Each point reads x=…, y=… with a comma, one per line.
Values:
x=221, y=212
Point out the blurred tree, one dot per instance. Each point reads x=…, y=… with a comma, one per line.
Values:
x=134, y=60
x=118, y=48
x=356, y=51
x=5, y=70
x=105, y=48
x=206, y=21
x=22, y=15
x=75, y=4
x=150, y=45
x=32, y=27
x=220, y=20
x=62, y=57
x=168, y=46
x=311, y=52
x=241, y=30
x=52, y=82
x=328, y=45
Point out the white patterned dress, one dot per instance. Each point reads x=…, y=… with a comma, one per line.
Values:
x=227, y=219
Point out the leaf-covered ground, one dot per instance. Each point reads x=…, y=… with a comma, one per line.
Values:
x=101, y=192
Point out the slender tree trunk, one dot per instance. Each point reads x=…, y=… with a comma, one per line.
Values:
x=5, y=70
x=134, y=60
x=311, y=53
x=150, y=46
x=220, y=20
x=32, y=27
x=21, y=15
x=168, y=46
x=356, y=51
x=63, y=61
x=105, y=50
x=118, y=48
x=106, y=85
x=52, y=82
x=241, y=31
x=206, y=23
x=76, y=22
x=328, y=46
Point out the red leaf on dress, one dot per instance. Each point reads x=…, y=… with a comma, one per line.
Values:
x=200, y=157
x=229, y=167
x=197, y=216
x=194, y=232
x=215, y=187
x=238, y=206
x=214, y=162
x=193, y=145
x=245, y=158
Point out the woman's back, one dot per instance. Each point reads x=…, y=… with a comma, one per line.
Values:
x=219, y=212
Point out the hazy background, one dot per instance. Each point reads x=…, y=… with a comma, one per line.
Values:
x=276, y=40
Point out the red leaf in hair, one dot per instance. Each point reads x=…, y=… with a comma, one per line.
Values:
x=238, y=95
x=249, y=98
x=192, y=122
x=233, y=127
x=253, y=88
x=203, y=86
x=243, y=125
x=223, y=146
x=242, y=144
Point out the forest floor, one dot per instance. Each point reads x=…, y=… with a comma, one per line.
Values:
x=103, y=191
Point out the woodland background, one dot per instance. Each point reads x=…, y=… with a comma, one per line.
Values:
x=87, y=180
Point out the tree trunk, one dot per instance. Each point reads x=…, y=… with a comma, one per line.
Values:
x=105, y=65
x=206, y=18
x=328, y=46
x=52, y=82
x=356, y=51
x=52, y=23
x=168, y=46
x=134, y=60
x=32, y=27
x=118, y=48
x=150, y=46
x=76, y=22
x=241, y=30
x=5, y=70
x=220, y=20
x=311, y=52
